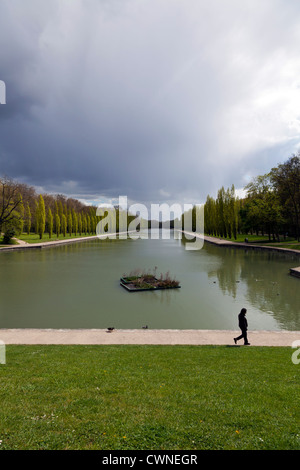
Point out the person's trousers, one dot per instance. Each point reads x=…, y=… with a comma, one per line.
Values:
x=243, y=335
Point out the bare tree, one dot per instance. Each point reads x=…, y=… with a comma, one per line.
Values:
x=10, y=199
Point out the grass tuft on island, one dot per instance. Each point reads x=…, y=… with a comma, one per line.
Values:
x=142, y=280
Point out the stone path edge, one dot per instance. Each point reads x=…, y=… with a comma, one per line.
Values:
x=49, y=244
x=35, y=336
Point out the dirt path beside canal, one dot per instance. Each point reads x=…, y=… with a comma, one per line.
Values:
x=145, y=336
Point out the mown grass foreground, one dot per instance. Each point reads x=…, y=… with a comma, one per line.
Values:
x=149, y=397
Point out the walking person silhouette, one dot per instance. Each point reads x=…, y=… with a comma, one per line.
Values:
x=243, y=324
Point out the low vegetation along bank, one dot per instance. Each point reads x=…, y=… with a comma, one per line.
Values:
x=149, y=397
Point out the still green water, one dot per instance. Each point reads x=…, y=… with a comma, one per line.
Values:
x=77, y=286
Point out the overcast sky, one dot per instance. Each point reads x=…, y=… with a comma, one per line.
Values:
x=158, y=100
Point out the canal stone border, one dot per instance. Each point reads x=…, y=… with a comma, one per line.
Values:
x=295, y=272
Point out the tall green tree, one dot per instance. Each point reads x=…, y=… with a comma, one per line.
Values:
x=263, y=208
x=50, y=222
x=57, y=224
x=221, y=216
x=84, y=224
x=70, y=223
x=41, y=215
x=75, y=222
x=79, y=224
x=231, y=213
x=286, y=182
x=64, y=225
x=66, y=213
x=54, y=216
x=36, y=217
x=210, y=222
x=60, y=210
x=220, y=212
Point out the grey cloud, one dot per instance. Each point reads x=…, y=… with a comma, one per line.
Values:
x=146, y=98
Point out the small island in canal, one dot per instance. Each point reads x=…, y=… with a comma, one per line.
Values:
x=145, y=281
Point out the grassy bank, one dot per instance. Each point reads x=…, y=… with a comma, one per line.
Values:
x=11, y=242
x=289, y=242
x=149, y=397
x=35, y=238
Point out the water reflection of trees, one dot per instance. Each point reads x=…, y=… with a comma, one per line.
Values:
x=229, y=272
x=270, y=288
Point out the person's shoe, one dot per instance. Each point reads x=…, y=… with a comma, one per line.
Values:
x=247, y=344
x=234, y=339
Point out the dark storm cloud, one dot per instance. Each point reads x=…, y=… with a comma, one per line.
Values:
x=156, y=100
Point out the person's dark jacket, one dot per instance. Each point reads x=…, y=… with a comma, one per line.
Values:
x=243, y=324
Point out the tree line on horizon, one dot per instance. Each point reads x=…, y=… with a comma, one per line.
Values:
x=271, y=206
x=22, y=210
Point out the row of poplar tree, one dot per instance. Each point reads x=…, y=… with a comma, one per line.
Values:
x=62, y=220
x=271, y=205
x=222, y=215
x=23, y=210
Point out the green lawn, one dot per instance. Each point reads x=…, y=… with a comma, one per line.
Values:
x=251, y=238
x=149, y=397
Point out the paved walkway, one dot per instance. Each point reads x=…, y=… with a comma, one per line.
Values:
x=221, y=242
x=27, y=246
x=145, y=336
